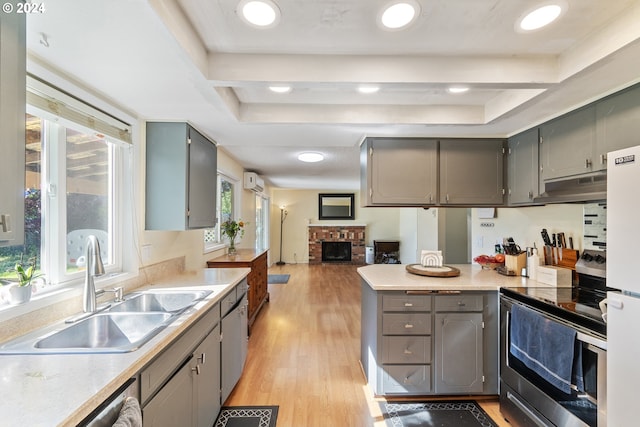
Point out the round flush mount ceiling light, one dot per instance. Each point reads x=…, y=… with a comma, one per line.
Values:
x=540, y=17
x=310, y=157
x=368, y=89
x=259, y=13
x=398, y=14
x=280, y=88
x=457, y=89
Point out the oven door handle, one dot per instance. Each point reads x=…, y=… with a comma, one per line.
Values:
x=535, y=418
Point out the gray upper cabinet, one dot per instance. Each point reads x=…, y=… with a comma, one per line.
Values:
x=472, y=172
x=568, y=145
x=12, y=126
x=617, y=123
x=181, y=178
x=399, y=171
x=523, y=168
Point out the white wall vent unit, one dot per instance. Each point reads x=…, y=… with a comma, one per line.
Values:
x=253, y=182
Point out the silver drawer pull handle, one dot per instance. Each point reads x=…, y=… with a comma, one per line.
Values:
x=407, y=351
x=408, y=304
x=408, y=326
x=406, y=380
x=461, y=304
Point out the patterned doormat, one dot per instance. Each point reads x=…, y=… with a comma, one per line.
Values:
x=247, y=416
x=276, y=279
x=437, y=413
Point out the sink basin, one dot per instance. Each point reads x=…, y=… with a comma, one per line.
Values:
x=118, y=332
x=125, y=327
x=159, y=301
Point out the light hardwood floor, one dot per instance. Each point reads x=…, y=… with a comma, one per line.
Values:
x=304, y=353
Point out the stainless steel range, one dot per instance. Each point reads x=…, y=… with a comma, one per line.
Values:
x=553, y=350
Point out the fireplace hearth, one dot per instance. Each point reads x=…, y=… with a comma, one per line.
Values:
x=336, y=251
x=352, y=235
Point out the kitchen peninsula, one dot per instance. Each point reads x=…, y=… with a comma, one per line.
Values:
x=431, y=335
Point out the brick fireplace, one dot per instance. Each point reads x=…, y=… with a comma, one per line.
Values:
x=354, y=234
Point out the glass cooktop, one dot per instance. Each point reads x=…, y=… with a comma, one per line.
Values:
x=576, y=305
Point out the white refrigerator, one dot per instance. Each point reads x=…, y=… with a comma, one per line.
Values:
x=623, y=267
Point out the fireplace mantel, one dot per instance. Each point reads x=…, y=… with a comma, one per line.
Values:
x=354, y=233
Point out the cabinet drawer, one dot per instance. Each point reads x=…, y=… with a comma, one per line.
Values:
x=459, y=302
x=403, y=349
x=228, y=301
x=402, y=302
x=406, y=324
x=406, y=379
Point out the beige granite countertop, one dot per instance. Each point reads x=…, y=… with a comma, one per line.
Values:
x=390, y=277
x=61, y=390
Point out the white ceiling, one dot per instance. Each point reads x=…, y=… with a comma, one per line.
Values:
x=196, y=60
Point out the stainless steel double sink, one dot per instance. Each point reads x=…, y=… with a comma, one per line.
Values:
x=123, y=327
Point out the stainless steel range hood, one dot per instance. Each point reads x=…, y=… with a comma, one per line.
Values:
x=583, y=188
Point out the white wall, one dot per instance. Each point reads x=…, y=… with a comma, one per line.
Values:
x=525, y=224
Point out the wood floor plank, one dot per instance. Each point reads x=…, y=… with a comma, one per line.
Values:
x=304, y=353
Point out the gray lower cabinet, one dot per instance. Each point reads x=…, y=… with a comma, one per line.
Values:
x=181, y=178
x=189, y=381
x=522, y=160
x=429, y=344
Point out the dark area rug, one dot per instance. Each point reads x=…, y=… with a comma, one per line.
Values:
x=435, y=414
x=247, y=416
x=276, y=279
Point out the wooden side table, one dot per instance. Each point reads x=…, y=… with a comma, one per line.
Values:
x=258, y=293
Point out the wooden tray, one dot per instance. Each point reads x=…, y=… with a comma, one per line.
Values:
x=444, y=271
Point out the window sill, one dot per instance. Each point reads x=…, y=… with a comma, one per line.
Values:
x=214, y=247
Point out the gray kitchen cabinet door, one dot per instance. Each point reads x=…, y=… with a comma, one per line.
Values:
x=399, y=171
x=617, y=123
x=12, y=126
x=458, y=353
x=173, y=405
x=522, y=161
x=207, y=385
x=472, y=172
x=181, y=178
x=568, y=145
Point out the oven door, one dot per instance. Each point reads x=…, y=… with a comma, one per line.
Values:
x=526, y=399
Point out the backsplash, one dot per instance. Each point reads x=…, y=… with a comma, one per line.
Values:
x=28, y=322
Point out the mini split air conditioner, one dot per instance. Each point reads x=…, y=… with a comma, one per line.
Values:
x=253, y=182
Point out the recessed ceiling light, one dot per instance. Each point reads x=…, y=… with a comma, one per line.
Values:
x=259, y=13
x=310, y=157
x=457, y=89
x=398, y=14
x=280, y=88
x=540, y=17
x=368, y=89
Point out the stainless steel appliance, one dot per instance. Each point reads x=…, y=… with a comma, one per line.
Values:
x=527, y=396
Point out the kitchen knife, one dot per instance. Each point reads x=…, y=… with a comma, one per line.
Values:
x=545, y=237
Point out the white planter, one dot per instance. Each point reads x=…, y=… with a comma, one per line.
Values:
x=19, y=294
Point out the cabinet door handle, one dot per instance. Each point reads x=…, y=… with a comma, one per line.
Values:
x=201, y=358
x=196, y=369
x=408, y=326
x=588, y=163
x=603, y=159
x=447, y=198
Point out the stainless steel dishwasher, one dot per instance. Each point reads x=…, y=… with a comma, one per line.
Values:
x=107, y=413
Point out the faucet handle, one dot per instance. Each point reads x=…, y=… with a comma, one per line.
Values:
x=117, y=291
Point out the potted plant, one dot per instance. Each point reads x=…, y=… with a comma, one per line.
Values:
x=21, y=287
x=232, y=229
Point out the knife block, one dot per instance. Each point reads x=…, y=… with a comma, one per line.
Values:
x=516, y=263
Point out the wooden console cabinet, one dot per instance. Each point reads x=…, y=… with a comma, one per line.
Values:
x=257, y=278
